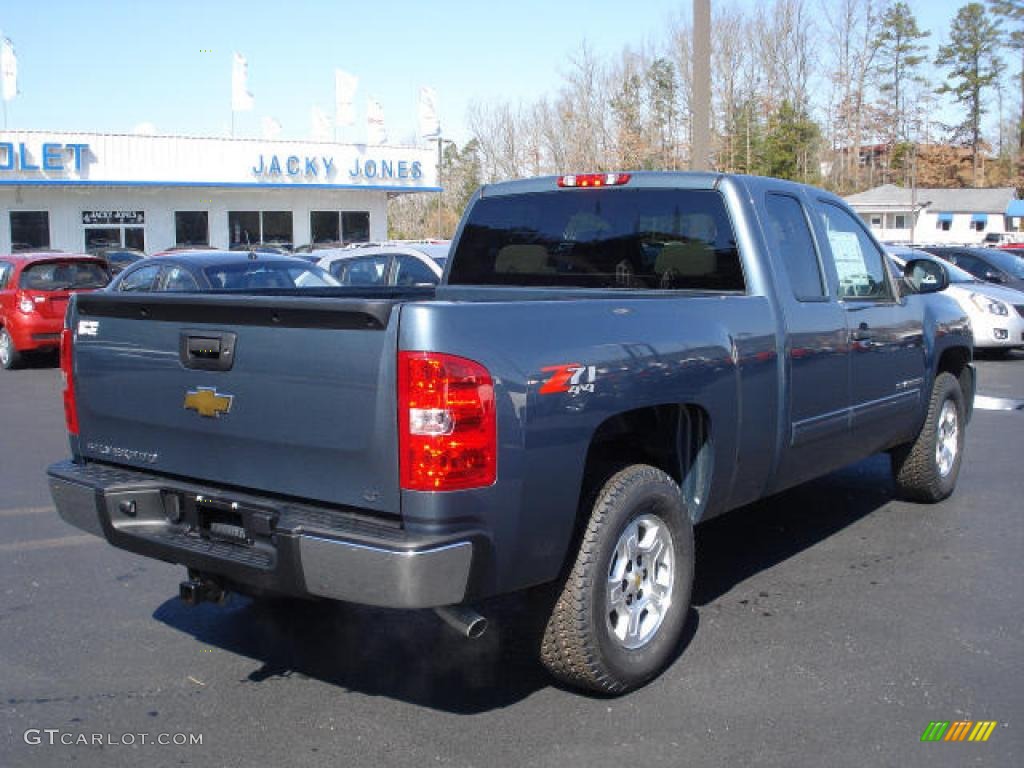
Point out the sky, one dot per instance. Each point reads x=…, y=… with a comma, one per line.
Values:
x=109, y=66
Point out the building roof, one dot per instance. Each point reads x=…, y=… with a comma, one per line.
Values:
x=891, y=197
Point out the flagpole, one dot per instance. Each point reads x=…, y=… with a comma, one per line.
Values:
x=440, y=193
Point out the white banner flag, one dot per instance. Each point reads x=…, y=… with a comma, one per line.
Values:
x=271, y=128
x=241, y=99
x=321, y=128
x=376, y=133
x=430, y=124
x=8, y=69
x=345, y=86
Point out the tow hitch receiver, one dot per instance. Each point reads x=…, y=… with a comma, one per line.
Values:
x=197, y=589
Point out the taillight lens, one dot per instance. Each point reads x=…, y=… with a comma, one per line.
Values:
x=446, y=423
x=25, y=304
x=593, y=180
x=66, y=369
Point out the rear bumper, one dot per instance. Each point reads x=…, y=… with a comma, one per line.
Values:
x=31, y=332
x=265, y=544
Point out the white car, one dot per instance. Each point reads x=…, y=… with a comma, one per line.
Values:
x=383, y=265
x=995, y=311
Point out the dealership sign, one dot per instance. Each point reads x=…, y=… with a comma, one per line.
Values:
x=40, y=158
x=113, y=217
x=47, y=157
x=310, y=167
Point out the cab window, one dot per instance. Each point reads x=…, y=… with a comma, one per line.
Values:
x=790, y=237
x=141, y=280
x=178, y=280
x=370, y=270
x=412, y=271
x=858, y=261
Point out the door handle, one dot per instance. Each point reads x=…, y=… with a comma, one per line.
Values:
x=207, y=350
x=861, y=333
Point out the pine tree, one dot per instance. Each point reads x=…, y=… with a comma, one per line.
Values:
x=900, y=58
x=972, y=62
x=1012, y=11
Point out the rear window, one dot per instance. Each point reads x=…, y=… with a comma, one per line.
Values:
x=600, y=238
x=261, y=275
x=63, y=275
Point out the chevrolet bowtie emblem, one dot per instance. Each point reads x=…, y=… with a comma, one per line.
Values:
x=206, y=402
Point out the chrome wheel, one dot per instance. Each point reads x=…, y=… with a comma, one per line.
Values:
x=640, y=581
x=5, y=348
x=947, y=441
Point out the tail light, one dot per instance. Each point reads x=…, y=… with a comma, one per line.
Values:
x=25, y=304
x=447, y=436
x=67, y=371
x=593, y=180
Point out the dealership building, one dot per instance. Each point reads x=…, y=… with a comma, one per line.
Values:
x=75, y=191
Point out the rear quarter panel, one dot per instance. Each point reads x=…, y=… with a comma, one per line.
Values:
x=717, y=352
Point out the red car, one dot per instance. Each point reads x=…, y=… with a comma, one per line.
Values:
x=34, y=291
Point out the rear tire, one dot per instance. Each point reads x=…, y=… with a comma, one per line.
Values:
x=927, y=469
x=604, y=633
x=10, y=357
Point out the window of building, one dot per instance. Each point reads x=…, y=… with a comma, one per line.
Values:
x=114, y=229
x=243, y=228
x=899, y=221
x=325, y=226
x=944, y=222
x=858, y=261
x=191, y=228
x=979, y=221
x=252, y=227
x=30, y=230
x=876, y=220
x=277, y=228
x=355, y=226
x=790, y=237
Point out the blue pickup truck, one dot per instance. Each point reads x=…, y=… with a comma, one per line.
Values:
x=609, y=360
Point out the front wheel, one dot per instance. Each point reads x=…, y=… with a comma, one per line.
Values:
x=620, y=615
x=9, y=356
x=927, y=469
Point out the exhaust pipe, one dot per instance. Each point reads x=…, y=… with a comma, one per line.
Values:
x=463, y=620
x=194, y=591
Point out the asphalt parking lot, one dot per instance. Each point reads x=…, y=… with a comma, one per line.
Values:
x=830, y=625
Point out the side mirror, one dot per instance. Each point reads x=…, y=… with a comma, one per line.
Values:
x=992, y=276
x=925, y=276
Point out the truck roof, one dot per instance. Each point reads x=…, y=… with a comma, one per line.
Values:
x=644, y=179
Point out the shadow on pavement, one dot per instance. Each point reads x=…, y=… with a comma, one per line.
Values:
x=412, y=656
x=746, y=541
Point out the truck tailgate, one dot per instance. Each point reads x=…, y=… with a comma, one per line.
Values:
x=304, y=407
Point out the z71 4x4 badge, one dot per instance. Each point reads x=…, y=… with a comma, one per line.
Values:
x=571, y=377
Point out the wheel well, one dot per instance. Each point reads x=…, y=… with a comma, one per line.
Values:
x=675, y=438
x=955, y=361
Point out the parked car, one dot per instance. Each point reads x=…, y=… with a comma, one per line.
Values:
x=1001, y=239
x=188, y=271
x=34, y=292
x=383, y=265
x=994, y=265
x=599, y=370
x=118, y=258
x=276, y=246
x=995, y=311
